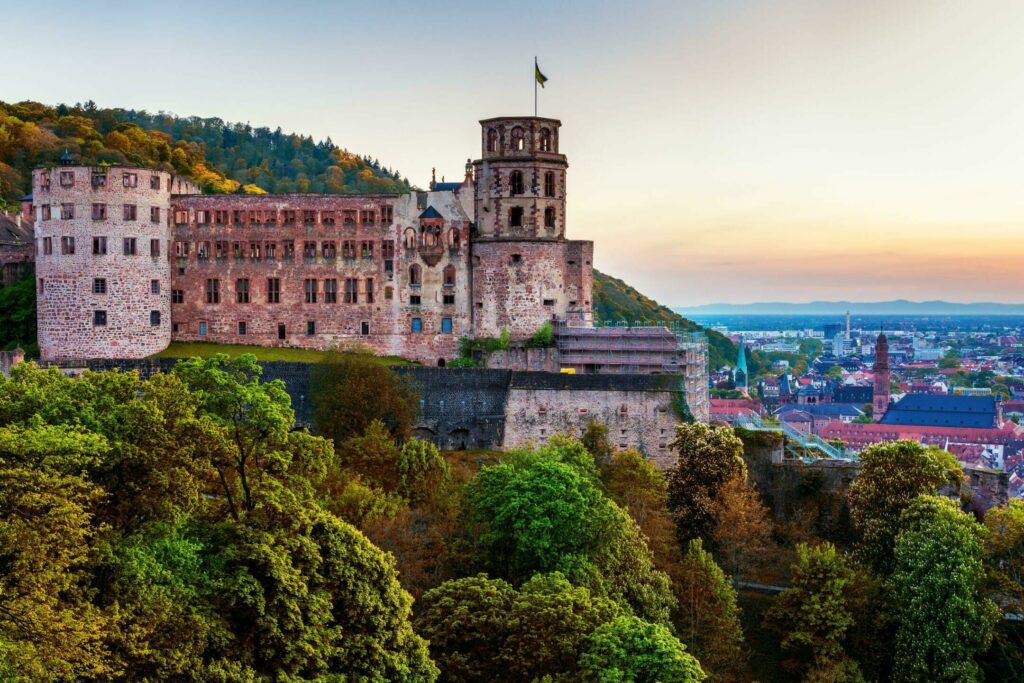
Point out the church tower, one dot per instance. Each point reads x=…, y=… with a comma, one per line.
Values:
x=525, y=272
x=740, y=373
x=881, y=386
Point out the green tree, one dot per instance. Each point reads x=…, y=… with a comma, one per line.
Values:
x=893, y=475
x=1004, y=556
x=629, y=650
x=943, y=621
x=422, y=472
x=707, y=617
x=814, y=615
x=373, y=454
x=709, y=457
x=18, y=316
x=350, y=390
x=595, y=440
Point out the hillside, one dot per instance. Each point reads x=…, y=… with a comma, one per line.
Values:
x=221, y=157
x=615, y=300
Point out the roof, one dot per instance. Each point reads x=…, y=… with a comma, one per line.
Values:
x=929, y=410
x=446, y=187
x=431, y=212
x=12, y=233
x=833, y=409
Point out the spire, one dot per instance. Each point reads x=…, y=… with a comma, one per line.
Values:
x=65, y=158
x=740, y=373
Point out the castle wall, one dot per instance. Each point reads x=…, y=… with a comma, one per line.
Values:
x=112, y=303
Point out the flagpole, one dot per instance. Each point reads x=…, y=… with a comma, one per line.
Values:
x=535, y=86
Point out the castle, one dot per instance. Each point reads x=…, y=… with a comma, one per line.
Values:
x=129, y=259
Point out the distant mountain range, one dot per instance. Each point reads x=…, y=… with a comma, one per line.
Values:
x=895, y=307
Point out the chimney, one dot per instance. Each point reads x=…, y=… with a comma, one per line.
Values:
x=17, y=220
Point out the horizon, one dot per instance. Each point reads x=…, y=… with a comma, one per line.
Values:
x=860, y=153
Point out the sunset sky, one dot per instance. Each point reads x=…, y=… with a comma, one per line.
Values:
x=719, y=150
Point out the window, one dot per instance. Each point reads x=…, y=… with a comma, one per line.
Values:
x=517, y=258
x=369, y=290
x=417, y=325
x=99, y=285
x=549, y=302
x=549, y=217
x=545, y=140
x=154, y=247
x=47, y=245
x=154, y=286
x=515, y=217
x=549, y=184
x=329, y=249
x=220, y=249
x=44, y=212
x=177, y=296
x=129, y=212
x=366, y=250
x=309, y=216
x=270, y=250
x=364, y=327
x=448, y=299
x=202, y=216
x=387, y=252
x=389, y=293
x=181, y=249
x=414, y=299
x=414, y=275
x=274, y=291
x=330, y=291
x=99, y=212
x=515, y=183
x=99, y=246
x=254, y=251
x=281, y=331
x=349, y=216
x=67, y=211
x=67, y=245
x=220, y=217
x=154, y=214
x=238, y=250
x=492, y=140
x=181, y=217
x=309, y=250
x=212, y=291
x=348, y=249
x=202, y=250
x=154, y=318
x=387, y=215
x=327, y=217
x=202, y=329
x=310, y=328
x=288, y=249
x=154, y=182
x=288, y=217
x=446, y=325
x=368, y=217
x=99, y=318
x=518, y=139
x=449, y=275
x=311, y=291
x=129, y=246
x=351, y=290
x=67, y=178
x=242, y=290
x=130, y=179
x=42, y=285
x=241, y=328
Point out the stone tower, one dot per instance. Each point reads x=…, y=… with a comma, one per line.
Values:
x=103, y=279
x=525, y=272
x=881, y=386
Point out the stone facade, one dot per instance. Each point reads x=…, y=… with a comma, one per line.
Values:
x=401, y=274
x=16, y=248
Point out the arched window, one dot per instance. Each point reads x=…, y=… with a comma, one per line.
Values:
x=549, y=184
x=414, y=274
x=515, y=217
x=515, y=182
x=410, y=238
x=545, y=140
x=492, y=140
x=549, y=217
x=449, y=276
x=453, y=238
x=518, y=139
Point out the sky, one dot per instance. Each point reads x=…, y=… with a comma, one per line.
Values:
x=719, y=150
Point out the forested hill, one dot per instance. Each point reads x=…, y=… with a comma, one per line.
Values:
x=221, y=157
x=615, y=300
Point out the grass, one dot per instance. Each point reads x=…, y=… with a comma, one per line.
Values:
x=263, y=353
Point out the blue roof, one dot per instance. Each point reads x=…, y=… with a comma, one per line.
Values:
x=926, y=410
x=446, y=187
x=431, y=212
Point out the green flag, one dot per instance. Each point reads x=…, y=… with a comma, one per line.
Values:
x=541, y=78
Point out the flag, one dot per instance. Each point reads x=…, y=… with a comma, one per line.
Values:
x=541, y=78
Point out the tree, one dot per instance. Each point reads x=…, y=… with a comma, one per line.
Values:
x=595, y=439
x=466, y=622
x=707, y=618
x=814, y=615
x=943, y=621
x=422, y=472
x=373, y=455
x=18, y=316
x=640, y=488
x=629, y=650
x=350, y=390
x=1004, y=555
x=709, y=457
x=892, y=476
x=743, y=529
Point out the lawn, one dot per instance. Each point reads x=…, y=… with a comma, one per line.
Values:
x=263, y=353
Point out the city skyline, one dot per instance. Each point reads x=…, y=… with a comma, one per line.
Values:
x=719, y=151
